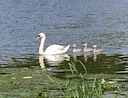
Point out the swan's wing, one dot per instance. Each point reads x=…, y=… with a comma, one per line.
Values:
x=55, y=49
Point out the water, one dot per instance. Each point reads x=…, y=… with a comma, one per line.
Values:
x=65, y=22
x=103, y=23
x=100, y=22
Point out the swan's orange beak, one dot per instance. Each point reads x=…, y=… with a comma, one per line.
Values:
x=38, y=37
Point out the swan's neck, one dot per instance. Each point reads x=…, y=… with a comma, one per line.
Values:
x=85, y=48
x=41, y=47
x=74, y=50
x=94, y=50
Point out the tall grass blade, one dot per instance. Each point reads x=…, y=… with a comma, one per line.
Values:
x=55, y=82
x=94, y=84
x=85, y=69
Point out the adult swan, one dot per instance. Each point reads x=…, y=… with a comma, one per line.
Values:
x=52, y=49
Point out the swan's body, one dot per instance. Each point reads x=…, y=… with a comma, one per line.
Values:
x=56, y=49
x=52, y=49
x=76, y=49
x=96, y=50
x=87, y=49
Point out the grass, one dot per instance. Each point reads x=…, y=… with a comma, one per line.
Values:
x=82, y=87
x=75, y=84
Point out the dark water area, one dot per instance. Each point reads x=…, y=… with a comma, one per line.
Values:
x=105, y=64
x=100, y=22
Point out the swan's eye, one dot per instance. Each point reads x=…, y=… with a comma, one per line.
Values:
x=39, y=36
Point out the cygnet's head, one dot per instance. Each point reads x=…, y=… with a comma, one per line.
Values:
x=74, y=45
x=94, y=46
x=85, y=44
x=41, y=35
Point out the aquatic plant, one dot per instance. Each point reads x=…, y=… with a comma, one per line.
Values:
x=83, y=87
x=79, y=87
x=72, y=83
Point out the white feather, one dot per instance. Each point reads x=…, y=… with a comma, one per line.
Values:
x=52, y=49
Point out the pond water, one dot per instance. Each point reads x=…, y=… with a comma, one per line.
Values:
x=103, y=23
x=100, y=22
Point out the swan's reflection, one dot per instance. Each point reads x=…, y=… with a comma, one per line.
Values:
x=85, y=57
x=74, y=56
x=41, y=61
x=94, y=56
x=53, y=60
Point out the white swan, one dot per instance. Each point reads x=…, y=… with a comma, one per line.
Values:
x=96, y=50
x=87, y=49
x=76, y=49
x=52, y=49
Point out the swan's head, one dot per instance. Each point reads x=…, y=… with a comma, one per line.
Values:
x=74, y=45
x=85, y=44
x=94, y=46
x=41, y=35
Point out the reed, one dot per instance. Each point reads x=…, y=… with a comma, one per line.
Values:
x=80, y=87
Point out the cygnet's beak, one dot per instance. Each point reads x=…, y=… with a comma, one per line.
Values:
x=38, y=37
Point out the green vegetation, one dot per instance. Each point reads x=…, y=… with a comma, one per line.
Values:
x=83, y=87
x=40, y=83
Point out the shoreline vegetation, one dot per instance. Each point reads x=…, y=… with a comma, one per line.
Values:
x=35, y=83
